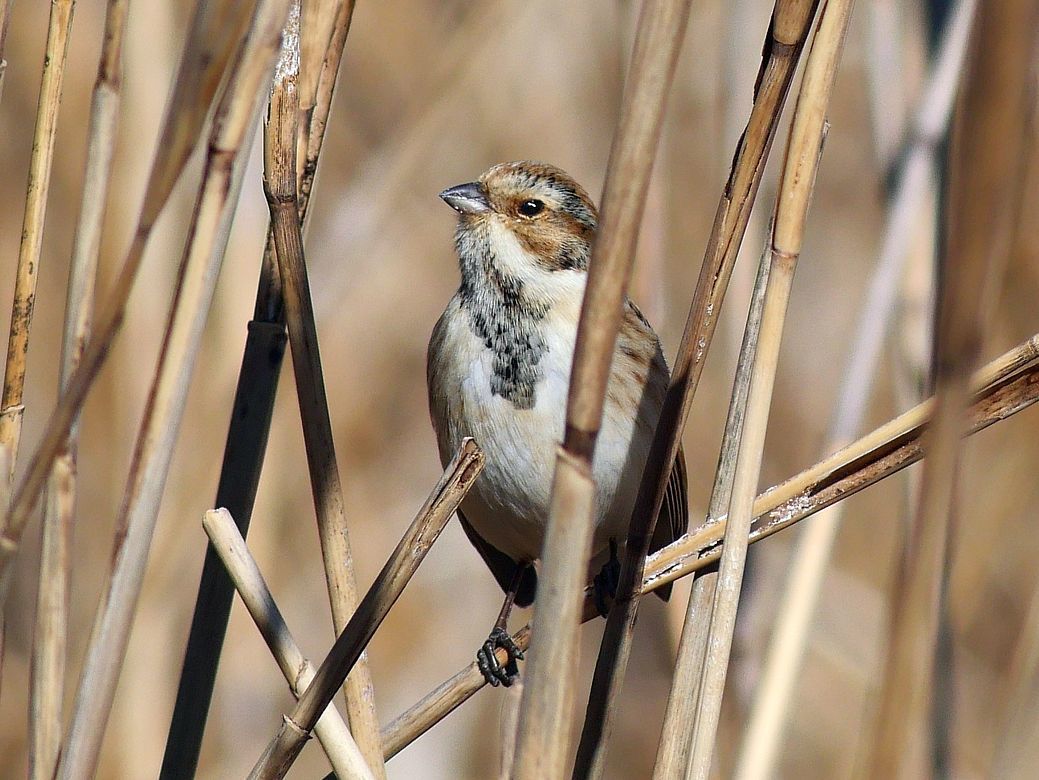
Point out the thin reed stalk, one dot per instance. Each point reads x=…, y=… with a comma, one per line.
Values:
x=280, y=183
x=458, y=477
x=5, y=19
x=787, y=33
x=253, y=407
x=1004, y=387
x=673, y=749
x=214, y=36
x=808, y=130
x=331, y=730
x=983, y=189
x=764, y=732
x=233, y=124
x=543, y=737
x=58, y=31
x=46, y=691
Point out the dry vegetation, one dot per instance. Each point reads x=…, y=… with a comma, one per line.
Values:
x=918, y=600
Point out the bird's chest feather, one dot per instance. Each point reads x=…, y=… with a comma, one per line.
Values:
x=520, y=431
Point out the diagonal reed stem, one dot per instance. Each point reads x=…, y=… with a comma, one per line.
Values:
x=250, y=420
x=782, y=49
x=233, y=124
x=331, y=730
x=214, y=36
x=458, y=477
x=804, y=148
x=46, y=692
x=764, y=732
x=673, y=750
x=281, y=131
x=984, y=184
x=543, y=736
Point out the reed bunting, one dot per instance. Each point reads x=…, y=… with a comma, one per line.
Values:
x=498, y=370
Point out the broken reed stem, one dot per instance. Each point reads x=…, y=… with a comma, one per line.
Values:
x=764, y=732
x=215, y=35
x=543, y=736
x=331, y=730
x=233, y=124
x=791, y=19
x=280, y=132
x=456, y=481
x=682, y=702
x=58, y=31
x=250, y=419
x=46, y=693
x=1006, y=386
x=807, y=133
x=984, y=186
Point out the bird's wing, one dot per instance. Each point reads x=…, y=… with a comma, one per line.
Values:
x=673, y=520
x=501, y=565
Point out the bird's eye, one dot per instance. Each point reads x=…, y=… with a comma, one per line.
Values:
x=531, y=208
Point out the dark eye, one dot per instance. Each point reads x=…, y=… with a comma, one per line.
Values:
x=531, y=208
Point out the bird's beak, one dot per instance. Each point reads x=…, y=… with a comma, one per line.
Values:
x=466, y=198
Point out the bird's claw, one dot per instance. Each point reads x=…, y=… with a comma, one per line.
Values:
x=493, y=671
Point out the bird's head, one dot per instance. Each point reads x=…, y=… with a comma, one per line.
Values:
x=526, y=218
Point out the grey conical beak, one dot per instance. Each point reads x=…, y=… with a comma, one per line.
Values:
x=466, y=198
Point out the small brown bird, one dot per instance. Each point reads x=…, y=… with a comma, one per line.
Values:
x=498, y=370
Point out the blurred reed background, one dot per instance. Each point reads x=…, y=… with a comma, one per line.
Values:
x=431, y=93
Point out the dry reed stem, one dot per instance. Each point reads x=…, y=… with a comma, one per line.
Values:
x=1006, y=386
x=782, y=49
x=804, y=149
x=5, y=18
x=458, y=477
x=250, y=418
x=46, y=693
x=233, y=124
x=682, y=702
x=214, y=36
x=58, y=31
x=764, y=732
x=983, y=190
x=543, y=736
x=281, y=133
x=331, y=730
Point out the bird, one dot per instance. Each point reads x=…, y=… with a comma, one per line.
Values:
x=498, y=370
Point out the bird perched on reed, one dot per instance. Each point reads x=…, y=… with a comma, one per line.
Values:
x=498, y=370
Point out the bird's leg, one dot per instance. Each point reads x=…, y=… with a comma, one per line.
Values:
x=486, y=660
x=606, y=581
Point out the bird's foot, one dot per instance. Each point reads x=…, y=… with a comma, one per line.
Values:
x=493, y=671
x=605, y=583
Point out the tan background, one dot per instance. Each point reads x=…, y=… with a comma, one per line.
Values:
x=431, y=94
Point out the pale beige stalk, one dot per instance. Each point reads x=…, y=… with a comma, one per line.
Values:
x=763, y=735
x=543, y=736
x=425, y=529
x=782, y=49
x=983, y=190
x=46, y=693
x=58, y=31
x=214, y=36
x=331, y=730
x=233, y=124
x=281, y=133
x=804, y=148
x=682, y=701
